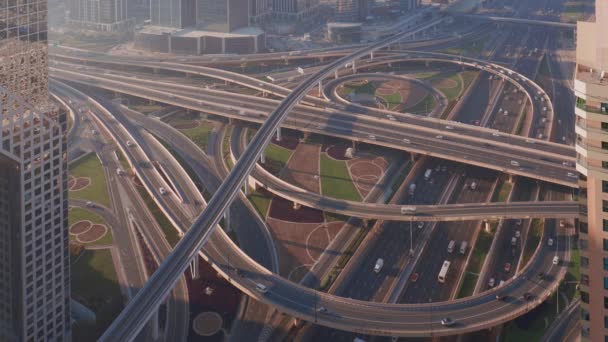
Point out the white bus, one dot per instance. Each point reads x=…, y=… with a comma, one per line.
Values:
x=444, y=271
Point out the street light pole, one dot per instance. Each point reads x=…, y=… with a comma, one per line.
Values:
x=411, y=240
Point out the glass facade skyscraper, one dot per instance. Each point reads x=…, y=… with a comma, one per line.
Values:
x=34, y=260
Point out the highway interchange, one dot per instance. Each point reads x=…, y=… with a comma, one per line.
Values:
x=391, y=320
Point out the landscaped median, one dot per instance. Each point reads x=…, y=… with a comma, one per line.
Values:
x=336, y=181
x=87, y=180
x=482, y=247
x=534, y=236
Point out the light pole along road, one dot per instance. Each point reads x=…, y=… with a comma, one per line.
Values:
x=137, y=313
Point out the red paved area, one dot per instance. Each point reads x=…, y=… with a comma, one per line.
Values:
x=337, y=151
x=300, y=244
x=282, y=209
x=287, y=141
x=366, y=170
x=81, y=183
x=96, y=232
x=303, y=167
x=71, y=182
x=80, y=227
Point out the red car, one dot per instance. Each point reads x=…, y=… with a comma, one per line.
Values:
x=507, y=267
x=414, y=277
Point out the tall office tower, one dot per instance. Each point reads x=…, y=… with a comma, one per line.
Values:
x=103, y=15
x=259, y=12
x=294, y=10
x=591, y=90
x=34, y=259
x=222, y=16
x=351, y=10
x=173, y=13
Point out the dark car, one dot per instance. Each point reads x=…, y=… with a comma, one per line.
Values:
x=527, y=296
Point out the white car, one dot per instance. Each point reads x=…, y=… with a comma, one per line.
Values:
x=261, y=288
x=439, y=137
x=162, y=190
x=492, y=282
x=129, y=143
x=517, y=234
x=572, y=175
x=420, y=224
x=496, y=134
x=555, y=260
x=371, y=137
x=550, y=242
x=449, y=127
x=407, y=141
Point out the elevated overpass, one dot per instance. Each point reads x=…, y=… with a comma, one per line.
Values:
x=472, y=313
x=469, y=144
x=515, y=20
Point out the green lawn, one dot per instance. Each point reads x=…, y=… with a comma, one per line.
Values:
x=260, y=202
x=336, y=181
x=332, y=275
x=333, y=217
x=467, y=286
x=97, y=191
x=503, y=192
x=534, y=235
x=79, y=214
x=471, y=48
x=426, y=75
x=226, y=148
x=278, y=154
x=124, y=163
x=199, y=135
x=392, y=100
x=482, y=247
x=95, y=285
x=452, y=93
x=426, y=105
x=468, y=77
x=146, y=108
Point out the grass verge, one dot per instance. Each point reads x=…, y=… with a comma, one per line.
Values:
x=534, y=235
x=336, y=181
x=79, y=214
x=170, y=232
x=261, y=202
x=97, y=191
x=503, y=192
x=199, y=134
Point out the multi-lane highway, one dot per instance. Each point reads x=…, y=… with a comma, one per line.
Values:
x=389, y=319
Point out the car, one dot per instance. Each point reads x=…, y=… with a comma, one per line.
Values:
x=491, y=282
x=449, y=127
x=518, y=222
x=550, y=242
x=90, y=204
x=371, y=137
x=420, y=224
x=447, y=322
x=94, y=132
x=261, y=288
x=439, y=137
x=438, y=168
x=526, y=296
x=322, y=309
x=562, y=223
x=496, y=134
x=555, y=260
x=507, y=267
x=572, y=175
x=414, y=277
x=444, y=168
x=129, y=143
x=517, y=234
x=162, y=190
x=501, y=297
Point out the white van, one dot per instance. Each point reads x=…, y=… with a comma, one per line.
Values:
x=514, y=163
x=378, y=265
x=463, y=247
x=555, y=260
x=451, y=246
x=406, y=210
x=427, y=174
x=514, y=241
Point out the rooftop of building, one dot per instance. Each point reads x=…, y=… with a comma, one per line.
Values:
x=248, y=31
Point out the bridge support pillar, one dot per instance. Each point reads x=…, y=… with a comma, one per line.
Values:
x=413, y=157
x=194, y=272
x=245, y=188
x=227, y=218
x=354, y=67
x=231, y=121
x=371, y=56
x=154, y=325
x=510, y=178
x=296, y=205
x=263, y=157
x=279, y=134
x=354, y=146
x=320, y=88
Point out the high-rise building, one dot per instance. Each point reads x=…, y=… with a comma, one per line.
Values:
x=102, y=15
x=295, y=10
x=34, y=259
x=591, y=90
x=222, y=16
x=173, y=13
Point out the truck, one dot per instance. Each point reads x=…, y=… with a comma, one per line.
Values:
x=412, y=189
x=451, y=246
x=427, y=174
x=444, y=271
